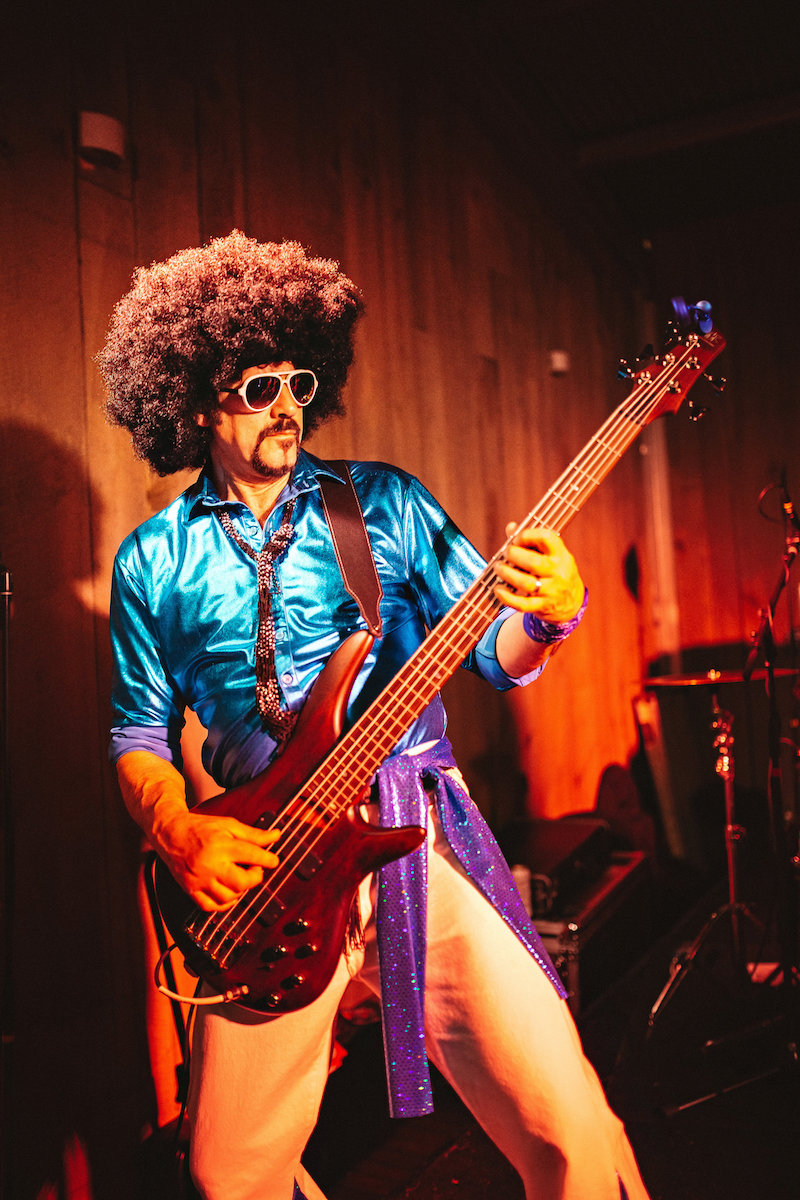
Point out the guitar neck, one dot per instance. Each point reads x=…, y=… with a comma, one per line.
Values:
x=360, y=752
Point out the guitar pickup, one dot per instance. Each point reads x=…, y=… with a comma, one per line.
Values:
x=309, y=866
x=271, y=912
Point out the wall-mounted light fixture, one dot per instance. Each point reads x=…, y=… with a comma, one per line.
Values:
x=101, y=140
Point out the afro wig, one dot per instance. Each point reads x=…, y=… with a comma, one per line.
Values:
x=195, y=322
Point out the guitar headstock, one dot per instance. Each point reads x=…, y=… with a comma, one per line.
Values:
x=663, y=379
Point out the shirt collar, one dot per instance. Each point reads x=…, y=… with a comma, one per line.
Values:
x=202, y=495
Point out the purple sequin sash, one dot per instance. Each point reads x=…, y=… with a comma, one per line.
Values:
x=407, y=783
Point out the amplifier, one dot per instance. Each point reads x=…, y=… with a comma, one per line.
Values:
x=552, y=859
x=603, y=931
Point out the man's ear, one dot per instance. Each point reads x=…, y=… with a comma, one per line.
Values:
x=202, y=419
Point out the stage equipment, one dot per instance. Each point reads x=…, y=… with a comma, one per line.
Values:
x=733, y=910
x=594, y=938
x=555, y=858
x=784, y=863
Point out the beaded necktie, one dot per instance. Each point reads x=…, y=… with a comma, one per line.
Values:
x=277, y=721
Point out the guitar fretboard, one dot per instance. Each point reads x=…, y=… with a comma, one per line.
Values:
x=356, y=758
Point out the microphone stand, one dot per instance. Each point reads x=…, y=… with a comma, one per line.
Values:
x=7, y=898
x=764, y=638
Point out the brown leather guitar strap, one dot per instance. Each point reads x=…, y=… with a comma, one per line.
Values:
x=351, y=543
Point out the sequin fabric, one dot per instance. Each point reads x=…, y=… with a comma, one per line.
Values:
x=406, y=784
x=277, y=720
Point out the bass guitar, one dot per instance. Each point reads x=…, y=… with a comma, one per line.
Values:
x=276, y=949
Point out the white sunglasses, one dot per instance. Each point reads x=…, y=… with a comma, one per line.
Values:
x=262, y=390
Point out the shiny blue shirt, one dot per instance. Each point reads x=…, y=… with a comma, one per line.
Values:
x=184, y=613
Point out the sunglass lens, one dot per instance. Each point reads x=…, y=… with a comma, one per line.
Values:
x=262, y=390
x=303, y=385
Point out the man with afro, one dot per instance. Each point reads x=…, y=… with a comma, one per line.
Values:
x=230, y=602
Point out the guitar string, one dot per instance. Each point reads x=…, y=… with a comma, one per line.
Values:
x=557, y=495
x=550, y=501
x=553, y=497
x=337, y=763
x=627, y=419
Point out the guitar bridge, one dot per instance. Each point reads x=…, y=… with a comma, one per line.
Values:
x=223, y=949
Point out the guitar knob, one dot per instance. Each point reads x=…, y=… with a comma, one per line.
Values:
x=293, y=928
x=273, y=954
x=293, y=981
x=306, y=950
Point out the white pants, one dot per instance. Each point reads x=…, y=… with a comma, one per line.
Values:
x=495, y=1027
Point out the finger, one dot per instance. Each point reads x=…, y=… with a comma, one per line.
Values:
x=538, y=537
x=214, y=900
x=246, y=854
x=250, y=833
x=532, y=561
x=522, y=602
x=522, y=579
x=241, y=877
x=211, y=894
x=225, y=888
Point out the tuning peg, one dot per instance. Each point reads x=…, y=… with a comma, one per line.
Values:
x=681, y=312
x=694, y=412
x=718, y=382
x=702, y=316
x=690, y=316
x=624, y=370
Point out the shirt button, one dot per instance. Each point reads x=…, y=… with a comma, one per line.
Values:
x=287, y=677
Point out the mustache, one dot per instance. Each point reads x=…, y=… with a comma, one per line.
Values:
x=285, y=425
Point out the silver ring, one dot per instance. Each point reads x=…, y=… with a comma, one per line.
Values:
x=537, y=584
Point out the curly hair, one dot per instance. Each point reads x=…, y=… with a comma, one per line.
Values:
x=195, y=322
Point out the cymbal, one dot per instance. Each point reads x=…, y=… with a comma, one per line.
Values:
x=713, y=677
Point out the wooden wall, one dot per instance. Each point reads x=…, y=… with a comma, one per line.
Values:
x=356, y=146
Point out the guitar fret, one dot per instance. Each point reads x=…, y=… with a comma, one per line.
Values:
x=565, y=499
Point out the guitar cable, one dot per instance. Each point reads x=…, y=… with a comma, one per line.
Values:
x=228, y=997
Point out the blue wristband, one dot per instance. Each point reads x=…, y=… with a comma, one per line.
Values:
x=548, y=632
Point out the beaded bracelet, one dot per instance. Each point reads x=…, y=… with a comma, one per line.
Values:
x=549, y=632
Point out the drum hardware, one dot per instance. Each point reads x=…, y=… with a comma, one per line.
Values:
x=734, y=910
x=785, y=975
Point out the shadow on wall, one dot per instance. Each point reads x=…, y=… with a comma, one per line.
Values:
x=81, y=1085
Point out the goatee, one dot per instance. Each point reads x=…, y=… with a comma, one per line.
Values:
x=285, y=431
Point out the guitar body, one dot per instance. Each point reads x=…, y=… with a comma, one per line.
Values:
x=282, y=945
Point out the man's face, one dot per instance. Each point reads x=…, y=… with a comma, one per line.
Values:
x=256, y=446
